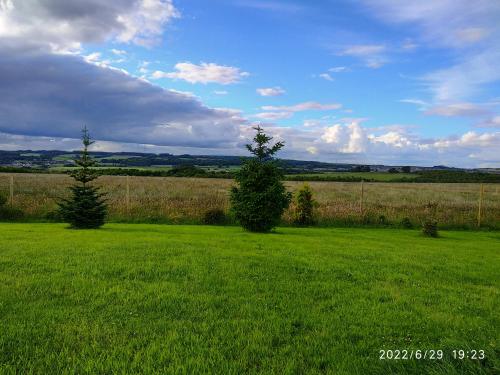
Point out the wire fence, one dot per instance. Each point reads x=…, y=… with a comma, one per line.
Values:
x=186, y=200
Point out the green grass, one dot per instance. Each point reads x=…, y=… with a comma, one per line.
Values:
x=197, y=299
x=116, y=157
x=65, y=157
x=375, y=176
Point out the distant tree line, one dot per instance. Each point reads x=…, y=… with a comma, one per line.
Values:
x=453, y=176
x=177, y=171
x=419, y=177
x=429, y=176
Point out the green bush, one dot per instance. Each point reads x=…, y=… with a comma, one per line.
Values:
x=261, y=198
x=382, y=220
x=304, y=207
x=54, y=215
x=215, y=217
x=86, y=209
x=7, y=212
x=186, y=171
x=406, y=223
x=10, y=213
x=429, y=228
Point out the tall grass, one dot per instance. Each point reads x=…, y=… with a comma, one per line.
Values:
x=186, y=200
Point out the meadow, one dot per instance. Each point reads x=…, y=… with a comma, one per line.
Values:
x=186, y=200
x=377, y=176
x=199, y=299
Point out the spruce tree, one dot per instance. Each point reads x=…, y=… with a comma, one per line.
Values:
x=86, y=208
x=261, y=198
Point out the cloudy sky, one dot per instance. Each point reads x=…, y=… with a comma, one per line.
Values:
x=367, y=81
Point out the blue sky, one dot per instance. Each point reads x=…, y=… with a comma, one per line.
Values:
x=370, y=81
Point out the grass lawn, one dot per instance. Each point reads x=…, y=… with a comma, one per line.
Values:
x=195, y=299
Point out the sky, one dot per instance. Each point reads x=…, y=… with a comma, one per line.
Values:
x=413, y=82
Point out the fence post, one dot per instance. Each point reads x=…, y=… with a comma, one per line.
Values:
x=11, y=189
x=128, y=195
x=480, y=206
x=361, y=197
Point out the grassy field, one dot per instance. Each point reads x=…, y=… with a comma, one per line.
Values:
x=369, y=176
x=377, y=176
x=185, y=200
x=197, y=299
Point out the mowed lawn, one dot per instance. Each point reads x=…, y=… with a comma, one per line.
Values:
x=198, y=299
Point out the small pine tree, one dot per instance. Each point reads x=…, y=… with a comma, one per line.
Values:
x=261, y=198
x=86, y=209
x=304, y=206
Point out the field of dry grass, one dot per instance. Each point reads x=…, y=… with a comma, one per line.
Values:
x=185, y=200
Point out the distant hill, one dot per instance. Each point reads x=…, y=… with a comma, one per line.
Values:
x=43, y=159
x=220, y=166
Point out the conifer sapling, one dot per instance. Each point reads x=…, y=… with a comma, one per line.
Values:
x=86, y=208
x=261, y=198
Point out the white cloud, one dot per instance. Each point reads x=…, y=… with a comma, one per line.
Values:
x=493, y=122
x=326, y=77
x=465, y=79
x=349, y=138
x=457, y=109
x=271, y=91
x=93, y=57
x=409, y=45
x=472, y=34
x=363, y=50
x=469, y=140
x=312, y=150
x=273, y=116
x=118, y=52
x=392, y=138
x=65, y=24
x=348, y=141
x=338, y=69
x=312, y=123
x=372, y=54
x=423, y=105
x=143, y=67
x=203, y=73
x=145, y=24
x=306, y=106
x=220, y=92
